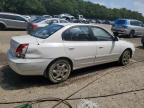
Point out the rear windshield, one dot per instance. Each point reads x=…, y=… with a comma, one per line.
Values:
x=47, y=31
x=38, y=20
x=120, y=22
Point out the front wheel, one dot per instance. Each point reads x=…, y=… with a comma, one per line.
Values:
x=59, y=71
x=132, y=34
x=125, y=58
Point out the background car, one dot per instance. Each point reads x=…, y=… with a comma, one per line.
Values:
x=128, y=27
x=47, y=16
x=55, y=50
x=14, y=21
x=42, y=22
x=27, y=17
x=66, y=16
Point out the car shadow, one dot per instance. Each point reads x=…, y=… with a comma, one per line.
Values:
x=9, y=80
x=3, y=59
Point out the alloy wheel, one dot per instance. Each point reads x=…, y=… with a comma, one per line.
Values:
x=126, y=57
x=59, y=71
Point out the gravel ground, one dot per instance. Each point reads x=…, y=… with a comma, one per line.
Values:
x=108, y=85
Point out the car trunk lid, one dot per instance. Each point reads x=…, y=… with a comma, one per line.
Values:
x=18, y=40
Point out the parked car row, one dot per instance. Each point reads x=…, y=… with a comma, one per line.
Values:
x=16, y=21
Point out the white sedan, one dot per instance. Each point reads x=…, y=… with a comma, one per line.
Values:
x=56, y=50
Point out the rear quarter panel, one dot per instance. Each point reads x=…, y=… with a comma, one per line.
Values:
x=46, y=51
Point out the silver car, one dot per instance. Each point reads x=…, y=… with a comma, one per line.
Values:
x=128, y=27
x=14, y=21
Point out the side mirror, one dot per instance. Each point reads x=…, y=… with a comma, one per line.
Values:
x=115, y=38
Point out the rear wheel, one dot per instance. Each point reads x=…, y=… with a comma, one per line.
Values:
x=125, y=57
x=2, y=26
x=59, y=71
x=132, y=34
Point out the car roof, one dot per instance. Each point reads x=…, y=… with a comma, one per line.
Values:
x=80, y=24
x=7, y=13
x=103, y=26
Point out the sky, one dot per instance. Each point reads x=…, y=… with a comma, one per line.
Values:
x=136, y=5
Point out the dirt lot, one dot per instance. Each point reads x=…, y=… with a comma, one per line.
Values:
x=108, y=85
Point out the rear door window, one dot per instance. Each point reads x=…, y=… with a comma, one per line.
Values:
x=12, y=17
x=79, y=33
x=136, y=23
x=6, y=16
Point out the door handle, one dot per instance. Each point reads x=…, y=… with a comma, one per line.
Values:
x=101, y=47
x=71, y=48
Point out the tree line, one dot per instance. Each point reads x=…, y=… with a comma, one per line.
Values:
x=73, y=7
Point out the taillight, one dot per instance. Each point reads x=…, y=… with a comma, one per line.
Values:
x=34, y=26
x=21, y=50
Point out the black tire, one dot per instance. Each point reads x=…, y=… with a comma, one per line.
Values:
x=115, y=33
x=2, y=26
x=132, y=34
x=125, y=57
x=59, y=71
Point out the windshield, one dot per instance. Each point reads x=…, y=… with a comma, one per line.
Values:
x=38, y=20
x=46, y=31
x=120, y=22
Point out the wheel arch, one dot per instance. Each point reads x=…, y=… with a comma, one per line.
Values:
x=3, y=24
x=63, y=58
x=132, y=30
x=131, y=52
